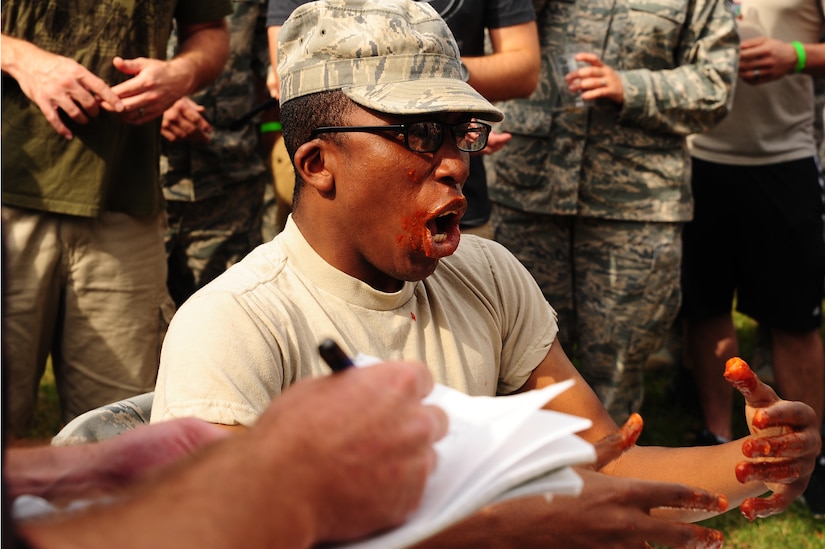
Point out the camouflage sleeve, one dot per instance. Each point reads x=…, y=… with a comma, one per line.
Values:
x=697, y=92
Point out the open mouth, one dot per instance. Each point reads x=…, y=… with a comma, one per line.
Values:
x=442, y=225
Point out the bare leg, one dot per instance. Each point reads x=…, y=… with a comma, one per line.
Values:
x=799, y=367
x=709, y=343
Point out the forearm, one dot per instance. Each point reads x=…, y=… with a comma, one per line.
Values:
x=13, y=54
x=697, y=91
x=696, y=466
x=512, y=69
x=204, y=49
x=220, y=498
x=502, y=76
x=52, y=472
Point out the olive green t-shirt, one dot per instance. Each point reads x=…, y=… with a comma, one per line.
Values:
x=108, y=165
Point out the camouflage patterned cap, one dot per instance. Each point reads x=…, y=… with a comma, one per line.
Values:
x=392, y=56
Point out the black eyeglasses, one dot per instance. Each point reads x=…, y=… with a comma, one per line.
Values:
x=425, y=137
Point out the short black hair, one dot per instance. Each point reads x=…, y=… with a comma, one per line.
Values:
x=303, y=114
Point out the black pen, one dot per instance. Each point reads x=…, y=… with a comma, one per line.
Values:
x=334, y=356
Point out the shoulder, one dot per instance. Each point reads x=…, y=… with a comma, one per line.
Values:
x=263, y=265
x=486, y=266
x=237, y=296
x=474, y=251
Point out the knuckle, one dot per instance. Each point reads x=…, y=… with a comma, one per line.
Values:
x=405, y=377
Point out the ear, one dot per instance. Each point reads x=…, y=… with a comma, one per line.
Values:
x=312, y=161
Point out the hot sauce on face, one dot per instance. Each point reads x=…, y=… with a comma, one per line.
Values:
x=415, y=230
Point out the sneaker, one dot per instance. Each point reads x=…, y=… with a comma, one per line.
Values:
x=814, y=494
x=708, y=438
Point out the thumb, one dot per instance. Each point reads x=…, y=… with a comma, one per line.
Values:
x=618, y=442
x=757, y=394
x=129, y=66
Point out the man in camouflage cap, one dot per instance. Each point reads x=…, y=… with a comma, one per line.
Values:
x=380, y=124
x=393, y=58
x=593, y=200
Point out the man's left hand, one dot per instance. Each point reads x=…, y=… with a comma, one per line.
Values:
x=155, y=87
x=764, y=59
x=783, y=445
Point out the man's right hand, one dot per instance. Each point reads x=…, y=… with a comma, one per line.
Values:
x=609, y=512
x=184, y=121
x=354, y=449
x=56, y=83
x=615, y=512
x=623, y=505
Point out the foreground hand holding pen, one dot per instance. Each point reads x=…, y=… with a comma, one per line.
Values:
x=334, y=356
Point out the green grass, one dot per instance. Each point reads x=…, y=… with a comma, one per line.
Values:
x=669, y=421
x=47, y=413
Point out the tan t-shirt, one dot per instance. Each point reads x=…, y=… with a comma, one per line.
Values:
x=480, y=323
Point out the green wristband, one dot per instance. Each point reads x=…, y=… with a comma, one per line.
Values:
x=801, y=58
x=269, y=127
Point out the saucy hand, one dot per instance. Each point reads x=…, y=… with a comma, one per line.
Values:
x=623, y=505
x=617, y=443
x=596, y=81
x=615, y=512
x=783, y=445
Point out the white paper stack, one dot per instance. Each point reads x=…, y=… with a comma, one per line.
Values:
x=497, y=448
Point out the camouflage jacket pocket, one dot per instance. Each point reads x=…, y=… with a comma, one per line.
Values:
x=651, y=34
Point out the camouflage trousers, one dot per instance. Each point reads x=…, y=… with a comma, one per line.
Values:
x=206, y=237
x=615, y=286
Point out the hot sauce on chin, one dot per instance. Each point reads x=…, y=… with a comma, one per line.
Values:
x=415, y=224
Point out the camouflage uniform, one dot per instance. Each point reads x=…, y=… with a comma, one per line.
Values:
x=215, y=191
x=592, y=201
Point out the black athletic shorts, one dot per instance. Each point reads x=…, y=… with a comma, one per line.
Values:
x=757, y=231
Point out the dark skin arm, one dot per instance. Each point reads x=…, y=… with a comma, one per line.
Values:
x=786, y=470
